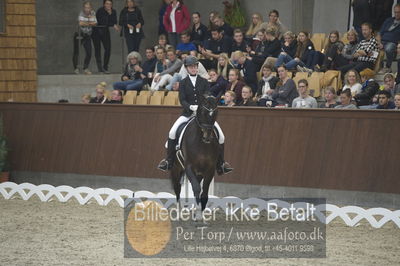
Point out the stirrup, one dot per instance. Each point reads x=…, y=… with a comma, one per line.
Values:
x=225, y=168
x=164, y=165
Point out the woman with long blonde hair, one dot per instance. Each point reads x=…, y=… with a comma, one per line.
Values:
x=224, y=65
x=255, y=26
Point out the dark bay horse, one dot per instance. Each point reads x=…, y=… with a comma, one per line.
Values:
x=200, y=151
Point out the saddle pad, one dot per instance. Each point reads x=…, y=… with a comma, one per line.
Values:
x=181, y=131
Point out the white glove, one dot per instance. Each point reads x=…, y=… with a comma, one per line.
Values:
x=193, y=108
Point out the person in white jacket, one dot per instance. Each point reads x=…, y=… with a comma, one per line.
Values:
x=163, y=78
x=173, y=83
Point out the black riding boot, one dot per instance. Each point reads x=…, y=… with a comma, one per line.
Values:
x=222, y=166
x=166, y=164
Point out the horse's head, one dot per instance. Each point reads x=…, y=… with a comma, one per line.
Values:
x=206, y=116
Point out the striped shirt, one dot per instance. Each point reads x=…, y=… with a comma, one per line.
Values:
x=87, y=18
x=371, y=49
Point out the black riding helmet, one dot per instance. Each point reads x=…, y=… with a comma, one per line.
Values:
x=190, y=61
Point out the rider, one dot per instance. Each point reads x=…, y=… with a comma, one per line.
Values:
x=190, y=89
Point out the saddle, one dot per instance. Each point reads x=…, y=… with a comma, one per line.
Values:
x=179, y=135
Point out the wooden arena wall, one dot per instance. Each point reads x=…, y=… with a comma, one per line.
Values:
x=18, y=59
x=330, y=149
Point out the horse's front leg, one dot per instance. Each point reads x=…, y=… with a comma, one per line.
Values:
x=206, y=185
x=175, y=176
x=195, y=183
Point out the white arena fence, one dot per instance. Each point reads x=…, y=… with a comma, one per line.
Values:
x=350, y=215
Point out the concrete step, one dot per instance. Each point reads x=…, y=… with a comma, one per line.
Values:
x=52, y=88
x=61, y=80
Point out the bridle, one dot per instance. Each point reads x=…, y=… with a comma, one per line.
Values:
x=210, y=112
x=206, y=128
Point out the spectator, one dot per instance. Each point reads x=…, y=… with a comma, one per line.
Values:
x=211, y=18
x=106, y=17
x=381, y=10
x=352, y=81
x=161, y=64
x=218, y=84
x=163, y=43
x=259, y=55
x=87, y=20
x=176, y=21
x=346, y=56
x=390, y=36
x=224, y=65
x=274, y=21
x=260, y=37
x=116, y=97
x=397, y=101
x=345, y=100
x=161, y=13
x=366, y=52
x=239, y=44
x=173, y=65
x=368, y=90
x=202, y=70
x=216, y=45
x=247, y=97
x=185, y=45
x=131, y=21
x=255, y=26
x=230, y=98
x=266, y=86
x=288, y=47
x=274, y=46
x=227, y=30
x=304, y=100
x=332, y=49
x=390, y=86
x=270, y=47
x=286, y=90
x=384, y=100
x=173, y=84
x=247, y=68
x=235, y=84
x=199, y=30
x=131, y=78
x=148, y=66
x=85, y=98
x=302, y=57
x=362, y=10
x=100, y=91
x=330, y=98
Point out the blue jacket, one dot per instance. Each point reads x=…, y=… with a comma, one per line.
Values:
x=390, y=36
x=390, y=105
x=218, y=88
x=186, y=47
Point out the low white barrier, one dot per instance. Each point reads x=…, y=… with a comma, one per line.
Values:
x=325, y=212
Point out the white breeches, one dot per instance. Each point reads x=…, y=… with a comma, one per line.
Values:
x=182, y=119
x=164, y=79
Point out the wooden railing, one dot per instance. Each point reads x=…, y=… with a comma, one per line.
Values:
x=330, y=149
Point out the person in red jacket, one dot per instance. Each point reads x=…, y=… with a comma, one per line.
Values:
x=176, y=20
